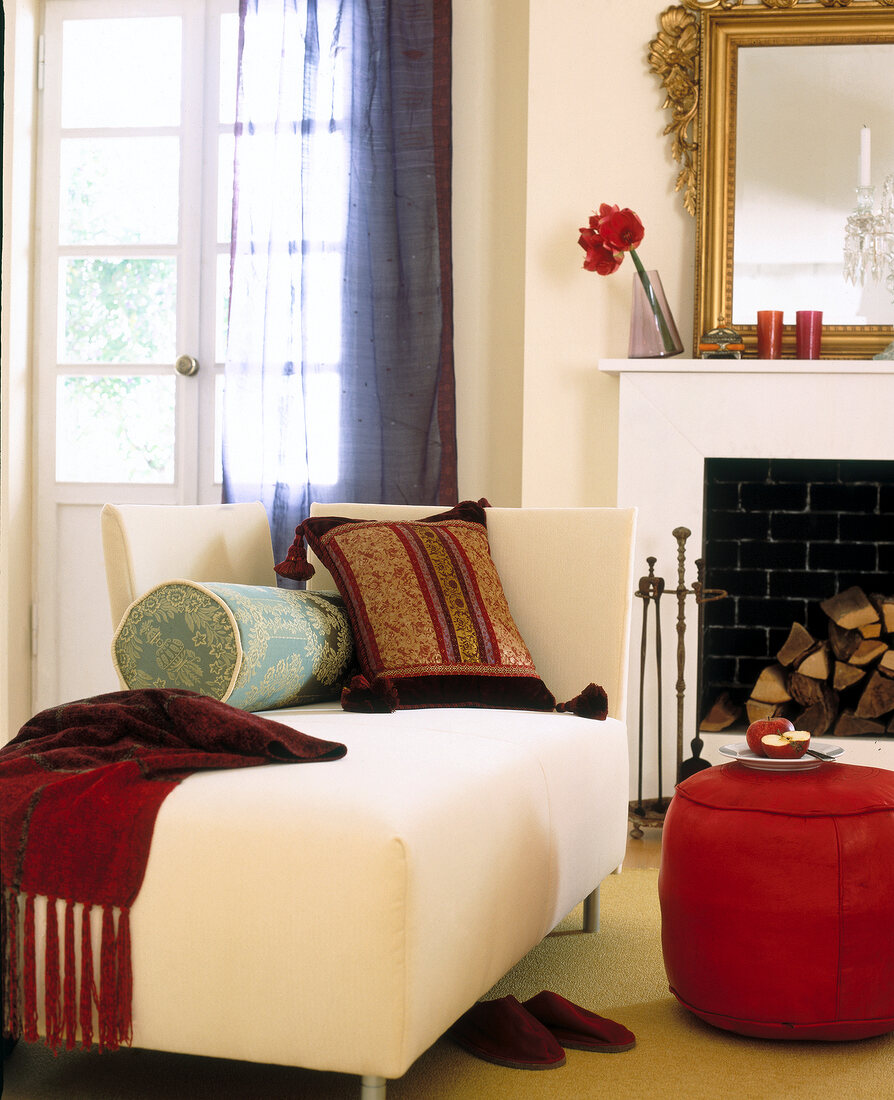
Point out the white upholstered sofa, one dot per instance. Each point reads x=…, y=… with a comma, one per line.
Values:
x=341, y=916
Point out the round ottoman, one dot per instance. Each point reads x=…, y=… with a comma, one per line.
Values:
x=777, y=900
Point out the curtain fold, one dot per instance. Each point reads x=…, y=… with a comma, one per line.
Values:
x=339, y=374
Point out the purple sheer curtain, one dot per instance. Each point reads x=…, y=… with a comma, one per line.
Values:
x=339, y=374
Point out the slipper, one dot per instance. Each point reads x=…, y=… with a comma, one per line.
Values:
x=502, y=1032
x=576, y=1027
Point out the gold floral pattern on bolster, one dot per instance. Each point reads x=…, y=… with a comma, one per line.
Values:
x=254, y=647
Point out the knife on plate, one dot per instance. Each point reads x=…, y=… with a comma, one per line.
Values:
x=819, y=755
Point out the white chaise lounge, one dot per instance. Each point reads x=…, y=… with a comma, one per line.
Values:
x=342, y=916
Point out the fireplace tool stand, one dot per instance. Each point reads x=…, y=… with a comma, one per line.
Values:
x=649, y=813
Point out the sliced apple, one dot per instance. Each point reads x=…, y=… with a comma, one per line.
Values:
x=787, y=745
x=761, y=728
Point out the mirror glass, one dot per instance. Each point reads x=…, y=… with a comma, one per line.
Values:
x=799, y=114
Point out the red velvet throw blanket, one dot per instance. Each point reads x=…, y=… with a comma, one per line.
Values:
x=80, y=788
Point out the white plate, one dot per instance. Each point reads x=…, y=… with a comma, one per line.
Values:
x=741, y=752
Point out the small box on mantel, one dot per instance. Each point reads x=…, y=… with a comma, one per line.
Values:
x=721, y=343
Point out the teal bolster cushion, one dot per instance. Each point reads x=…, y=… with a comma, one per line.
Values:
x=248, y=645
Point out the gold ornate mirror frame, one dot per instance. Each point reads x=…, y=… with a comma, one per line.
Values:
x=695, y=54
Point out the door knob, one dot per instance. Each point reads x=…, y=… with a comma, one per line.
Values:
x=186, y=365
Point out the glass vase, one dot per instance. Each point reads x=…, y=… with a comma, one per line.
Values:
x=653, y=331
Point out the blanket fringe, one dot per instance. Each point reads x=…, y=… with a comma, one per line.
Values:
x=12, y=1024
x=108, y=982
x=52, y=1007
x=29, y=972
x=125, y=980
x=70, y=991
x=87, y=996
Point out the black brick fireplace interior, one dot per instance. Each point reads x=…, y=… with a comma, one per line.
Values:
x=780, y=535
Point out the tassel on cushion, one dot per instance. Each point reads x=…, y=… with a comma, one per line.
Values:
x=363, y=697
x=296, y=567
x=591, y=703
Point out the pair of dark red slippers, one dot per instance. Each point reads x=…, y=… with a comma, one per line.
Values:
x=533, y=1034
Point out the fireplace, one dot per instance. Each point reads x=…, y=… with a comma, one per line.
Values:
x=675, y=414
x=781, y=536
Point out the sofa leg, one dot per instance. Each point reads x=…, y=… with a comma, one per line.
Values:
x=591, y=911
x=372, y=1087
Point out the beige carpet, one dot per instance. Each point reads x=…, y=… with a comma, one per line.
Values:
x=617, y=972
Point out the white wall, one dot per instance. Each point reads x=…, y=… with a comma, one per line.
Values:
x=490, y=94
x=15, y=368
x=553, y=114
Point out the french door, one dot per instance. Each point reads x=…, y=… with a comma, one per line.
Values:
x=135, y=199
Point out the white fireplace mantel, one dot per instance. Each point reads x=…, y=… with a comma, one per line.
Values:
x=674, y=413
x=747, y=366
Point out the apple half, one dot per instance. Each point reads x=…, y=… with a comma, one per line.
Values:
x=758, y=730
x=787, y=745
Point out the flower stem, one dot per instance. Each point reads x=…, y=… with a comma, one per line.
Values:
x=651, y=297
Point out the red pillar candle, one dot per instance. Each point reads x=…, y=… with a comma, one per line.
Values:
x=808, y=333
x=769, y=334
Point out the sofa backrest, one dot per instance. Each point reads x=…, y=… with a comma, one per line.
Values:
x=145, y=544
x=568, y=577
x=567, y=572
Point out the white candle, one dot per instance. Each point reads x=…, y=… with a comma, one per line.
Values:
x=864, y=157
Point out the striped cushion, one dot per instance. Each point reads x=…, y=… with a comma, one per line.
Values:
x=428, y=611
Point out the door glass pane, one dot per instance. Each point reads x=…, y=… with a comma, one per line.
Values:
x=226, y=151
x=219, y=382
x=117, y=311
x=229, y=61
x=121, y=72
x=115, y=428
x=121, y=190
x=222, y=304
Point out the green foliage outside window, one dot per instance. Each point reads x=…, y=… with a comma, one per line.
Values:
x=116, y=428
x=120, y=311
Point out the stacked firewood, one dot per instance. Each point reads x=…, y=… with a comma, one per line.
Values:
x=842, y=684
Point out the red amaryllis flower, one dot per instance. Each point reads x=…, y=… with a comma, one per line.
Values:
x=600, y=259
x=621, y=230
x=610, y=234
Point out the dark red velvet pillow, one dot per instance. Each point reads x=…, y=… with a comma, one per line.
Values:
x=430, y=619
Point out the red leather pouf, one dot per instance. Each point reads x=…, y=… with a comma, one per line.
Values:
x=777, y=900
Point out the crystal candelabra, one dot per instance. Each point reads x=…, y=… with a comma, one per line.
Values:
x=869, y=238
